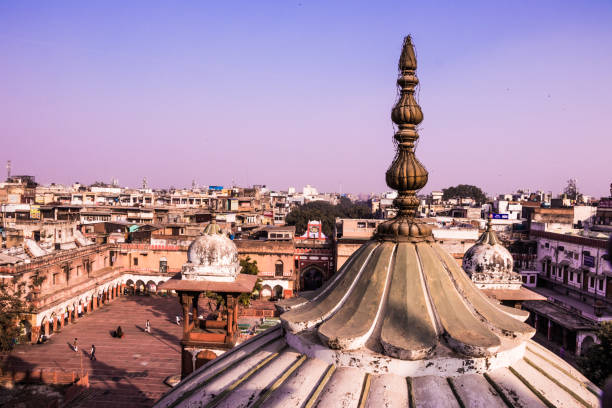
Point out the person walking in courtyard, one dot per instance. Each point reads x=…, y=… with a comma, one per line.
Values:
x=148, y=326
x=92, y=353
x=178, y=320
x=75, y=345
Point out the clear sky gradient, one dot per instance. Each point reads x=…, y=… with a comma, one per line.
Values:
x=516, y=94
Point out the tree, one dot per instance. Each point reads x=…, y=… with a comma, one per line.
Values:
x=571, y=190
x=249, y=267
x=13, y=308
x=596, y=362
x=326, y=213
x=464, y=191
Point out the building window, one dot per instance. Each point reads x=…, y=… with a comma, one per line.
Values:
x=572, y=276
x=55, y=278
x=578, y=278
x=278, y=268
x=601, y=281
x=532, y=279
x=591, y=282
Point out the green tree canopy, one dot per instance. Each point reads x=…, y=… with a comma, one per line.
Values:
x=326, y=213
x=464, y=191
x=13, y=308
x=597, y=360
x=249, y=267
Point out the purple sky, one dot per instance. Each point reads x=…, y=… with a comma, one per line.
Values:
x=515, y=95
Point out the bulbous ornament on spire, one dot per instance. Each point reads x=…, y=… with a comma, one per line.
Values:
x=406, y=174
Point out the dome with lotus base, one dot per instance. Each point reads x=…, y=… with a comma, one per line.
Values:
x=400, y=324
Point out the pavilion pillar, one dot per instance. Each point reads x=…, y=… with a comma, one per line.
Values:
x=186, y=300
x=535, y=321
x=195, y=319
x=34, y=334
x=76, y=314
x=230, y=302
x=62, y=321
x=565, y=343
x=94, y=303
x=46, y=327
x=549, y=334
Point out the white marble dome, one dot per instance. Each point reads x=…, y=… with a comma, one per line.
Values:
x=212, y=256
x=487, y=258
x=488, y=262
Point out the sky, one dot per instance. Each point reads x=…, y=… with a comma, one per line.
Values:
x=288, y=93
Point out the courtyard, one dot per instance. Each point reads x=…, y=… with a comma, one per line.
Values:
x=128, y=372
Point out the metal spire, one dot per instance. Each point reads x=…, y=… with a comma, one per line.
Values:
x=406, y=174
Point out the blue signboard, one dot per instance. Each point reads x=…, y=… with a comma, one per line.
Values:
x=217, y=188
x=589, y=261
x=499, y=216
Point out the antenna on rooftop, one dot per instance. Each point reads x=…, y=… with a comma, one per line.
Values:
x=144, y=183
x=8, y=169
x=193, y=184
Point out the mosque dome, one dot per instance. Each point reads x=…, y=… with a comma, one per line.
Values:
x=400, y=324
x=488, y=262
x=211, y=256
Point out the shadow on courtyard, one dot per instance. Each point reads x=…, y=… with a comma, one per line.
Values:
x=167, y=307
x=109, y=385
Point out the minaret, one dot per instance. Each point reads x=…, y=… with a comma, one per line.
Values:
x=8, y=169
x=406, y=174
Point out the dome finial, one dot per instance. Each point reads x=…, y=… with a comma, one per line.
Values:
x=406, y=174
x=212, y=228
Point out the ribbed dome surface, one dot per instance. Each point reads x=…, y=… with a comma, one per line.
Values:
x=405, y=300
x=489, y=263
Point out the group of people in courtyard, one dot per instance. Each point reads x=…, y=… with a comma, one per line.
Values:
x=92, y=351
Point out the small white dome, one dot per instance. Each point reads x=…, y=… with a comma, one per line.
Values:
x=212, y=256
x=212, y=250
x=489, y=262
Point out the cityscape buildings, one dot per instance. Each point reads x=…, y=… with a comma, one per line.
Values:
x=239, y=294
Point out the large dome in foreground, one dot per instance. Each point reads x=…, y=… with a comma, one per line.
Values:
x=399, y=325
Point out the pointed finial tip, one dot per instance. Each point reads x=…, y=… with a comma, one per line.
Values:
x=408, y=57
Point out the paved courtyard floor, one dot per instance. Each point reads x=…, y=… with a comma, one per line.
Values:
x=128, y=372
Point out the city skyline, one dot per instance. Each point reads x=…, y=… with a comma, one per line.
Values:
x=181, y=93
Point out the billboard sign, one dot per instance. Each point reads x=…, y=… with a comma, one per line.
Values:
x=215, y=188
x=35, y=212
x=588, y=260
x=499, y=216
